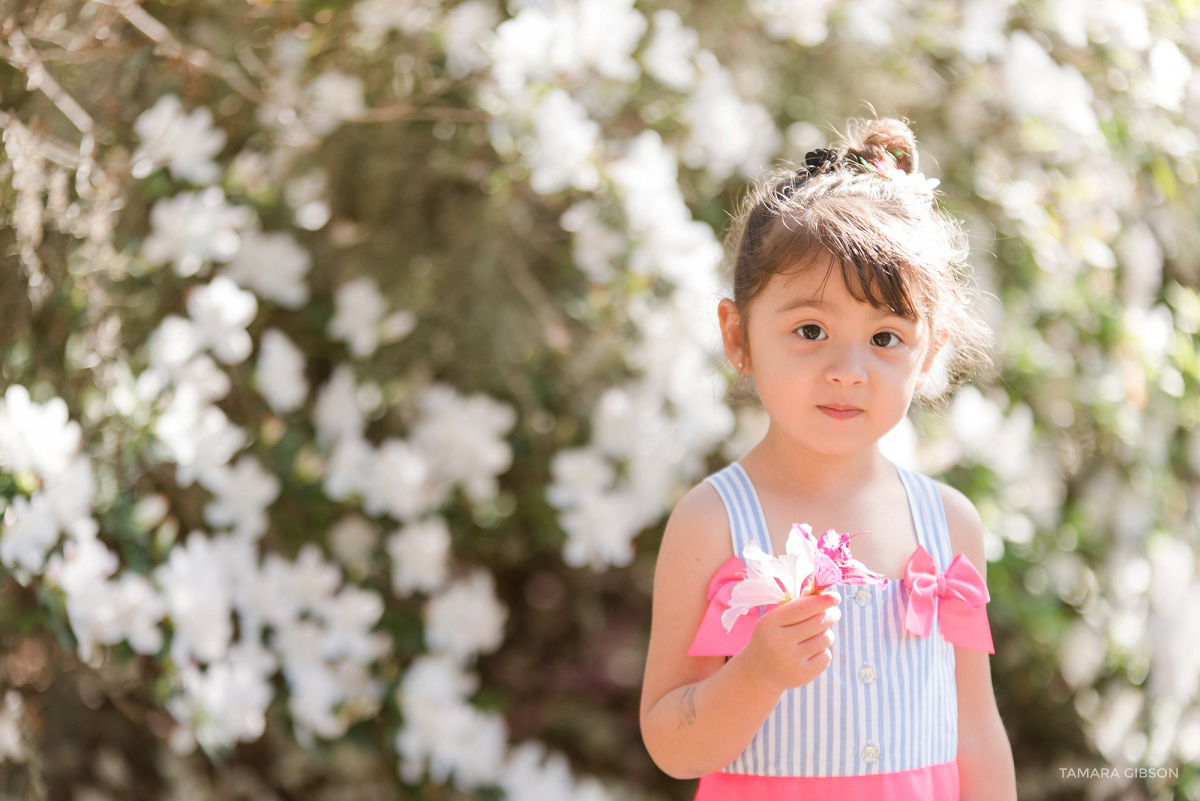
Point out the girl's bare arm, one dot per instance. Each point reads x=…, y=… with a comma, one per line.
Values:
x=699, y=713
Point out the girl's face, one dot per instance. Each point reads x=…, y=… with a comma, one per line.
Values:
x=834, y=374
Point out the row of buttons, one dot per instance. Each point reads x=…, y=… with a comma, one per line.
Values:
x=866, y=674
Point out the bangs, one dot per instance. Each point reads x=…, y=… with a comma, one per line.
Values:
x=870, y=253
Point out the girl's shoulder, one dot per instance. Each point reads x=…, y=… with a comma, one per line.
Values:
x=964, y=523
x=697, y=533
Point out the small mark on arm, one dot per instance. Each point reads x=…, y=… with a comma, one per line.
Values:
x=687, y=708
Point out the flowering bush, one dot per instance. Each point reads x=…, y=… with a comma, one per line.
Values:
x=353, y=353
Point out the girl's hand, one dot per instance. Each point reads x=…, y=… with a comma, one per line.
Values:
x=790, y=645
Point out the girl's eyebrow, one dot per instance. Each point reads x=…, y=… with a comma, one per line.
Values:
x=803, y=302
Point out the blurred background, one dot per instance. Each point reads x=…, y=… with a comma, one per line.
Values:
x=353, y=353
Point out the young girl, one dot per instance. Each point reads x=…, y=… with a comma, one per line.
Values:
x=846, y=285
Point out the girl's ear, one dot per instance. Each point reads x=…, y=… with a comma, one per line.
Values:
x=733, y=336
x=935, y=345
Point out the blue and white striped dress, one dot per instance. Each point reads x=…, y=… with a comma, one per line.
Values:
x=888, y=702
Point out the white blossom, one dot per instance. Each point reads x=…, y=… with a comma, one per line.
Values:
x=226, y=702
x=375, y=19
x=36, y=437
x=595, y=247
x=462, y=438
x=806, y=24
x=279, y=374
x=361, y=321
x=353, y=540
x=578, y=473
x=221, y=311
x=465, y=29
x=443, y=734
x=339, y=412
x=1038, y=86
x=12, y=714
x=669, y=56
x=564, y=142
x=28, y=532
x=398, y=483
x=193, y=229
x=419, y=552
x=198, y=435
x=198, y=580
x=186, y=143
x=349, y=617
x=600, y=530
x=350, y=467
x=465, y=619
x=727, y=133
x=608, y=31
x=176, y=358
x=273, y=266
x=332, y=98
x=242, y=493
x=82, y=572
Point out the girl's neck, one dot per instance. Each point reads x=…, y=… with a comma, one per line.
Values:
x=774, y=459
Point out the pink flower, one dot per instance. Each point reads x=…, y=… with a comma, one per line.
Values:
x=832, y=562
x=807, y=567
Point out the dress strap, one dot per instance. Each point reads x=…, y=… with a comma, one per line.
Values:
x=928, y=515
x=747, y=524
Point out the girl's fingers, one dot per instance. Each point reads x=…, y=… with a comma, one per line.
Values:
x=803, y=608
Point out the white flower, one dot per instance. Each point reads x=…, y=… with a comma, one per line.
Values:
x=349, y=617
x=595, y=247
x=600, y=530
x=349, y=468
x=419, y=554
x=221, y=311
x=398, y=482
x=28, y=532
x=280, y=372
x=199, y=436
x=607, y=33
x=1170, y=75
x=462, y=438
x=353, y=540
x=465, y=619
x=175, y=358
x=564, y=143
x=139, y=608
x=273, y=266
x=727, y=132
x=186, y=143
x=226, y=703
x=332, y=98
x=668, y=57
x=1038, y=86
x=466, y=27
x=359, y=318
x=82, y=571
x=36, y=437
x=804, y=23
x=532, y=774
x=71, y=494
x=241, y=495
x=375, y=19
x=578, y=473
x=197, y=581
x=192, y=229
x=12, y=714
x=443, y=733
x=339, y=411
x=772, y=580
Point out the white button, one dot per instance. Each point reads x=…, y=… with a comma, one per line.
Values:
x=870, y=754
x=866, y=674
x=862, y=597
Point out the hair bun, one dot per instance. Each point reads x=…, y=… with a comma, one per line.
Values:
x=888, y=140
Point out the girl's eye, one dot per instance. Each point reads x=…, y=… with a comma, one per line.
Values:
x=885, y=339
x=811, y=331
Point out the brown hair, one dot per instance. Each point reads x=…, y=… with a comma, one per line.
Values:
x=855, y=207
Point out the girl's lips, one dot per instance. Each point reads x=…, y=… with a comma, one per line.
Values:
x=840, y=411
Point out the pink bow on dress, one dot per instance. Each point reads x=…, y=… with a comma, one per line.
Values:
x=957, y=597
x=712, y=639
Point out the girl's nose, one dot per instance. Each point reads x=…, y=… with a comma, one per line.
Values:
x=846, y=367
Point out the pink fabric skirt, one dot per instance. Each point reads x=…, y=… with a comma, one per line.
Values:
x=936, y=783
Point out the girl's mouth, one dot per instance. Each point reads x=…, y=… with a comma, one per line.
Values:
x=840, y=411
